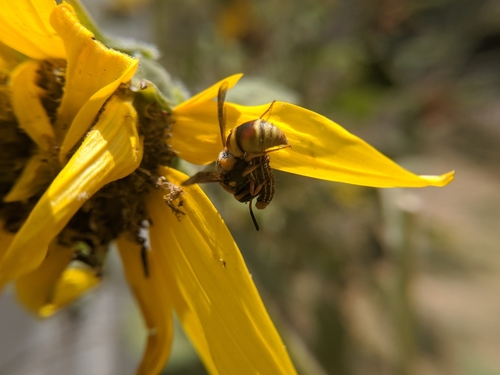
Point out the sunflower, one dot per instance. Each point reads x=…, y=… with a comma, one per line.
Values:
x=88, y=149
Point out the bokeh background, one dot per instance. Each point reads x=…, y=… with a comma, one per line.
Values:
x=357, y=280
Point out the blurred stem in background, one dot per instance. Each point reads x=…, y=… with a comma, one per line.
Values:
x=400, y=215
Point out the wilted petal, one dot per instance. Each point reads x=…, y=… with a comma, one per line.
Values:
x=211, y=288
x=93, y=73
x=52, y=285
x=25, y=27
x=28, y=108
x=154, y=300
x=111, y=150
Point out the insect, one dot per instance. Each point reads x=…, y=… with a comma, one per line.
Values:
x=243, y=166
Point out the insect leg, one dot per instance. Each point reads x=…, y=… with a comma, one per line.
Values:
x=250, y=169
x=268, y=110
x=253, y=155
x=252, y=188
x=242, y=195
x=201, y=177
x=259, y=187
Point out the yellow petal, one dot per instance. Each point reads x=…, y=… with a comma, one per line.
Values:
x=154, y=300
x=34, y=177
x=74, y=282
x=211, y=288
x=93, y=73
x=111, y=150
x=9, y=59
x=323, y=149
x=52, y=285
x=208, y=94
x=36, y=289
x=27, y=105
x=25, y=27
x=199, y=113
x=6, y=239
x=320, y=148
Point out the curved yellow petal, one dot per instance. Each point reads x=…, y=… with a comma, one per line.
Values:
x=199, y=113
x=111, y=150
x=208, y=94
x=73, y=283
x=211, y=288
x=35, y=289
x=320, y=147
x=25, y=27
x=27, y=105
x=52, y=285
x=154, y=300
x=93, y=73
x=35, y=176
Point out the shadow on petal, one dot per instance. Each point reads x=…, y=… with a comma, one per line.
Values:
x=27, y=105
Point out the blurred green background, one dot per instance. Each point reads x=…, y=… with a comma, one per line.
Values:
x=357, y=280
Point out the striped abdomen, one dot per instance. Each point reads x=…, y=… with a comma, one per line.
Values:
x=254, y=137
